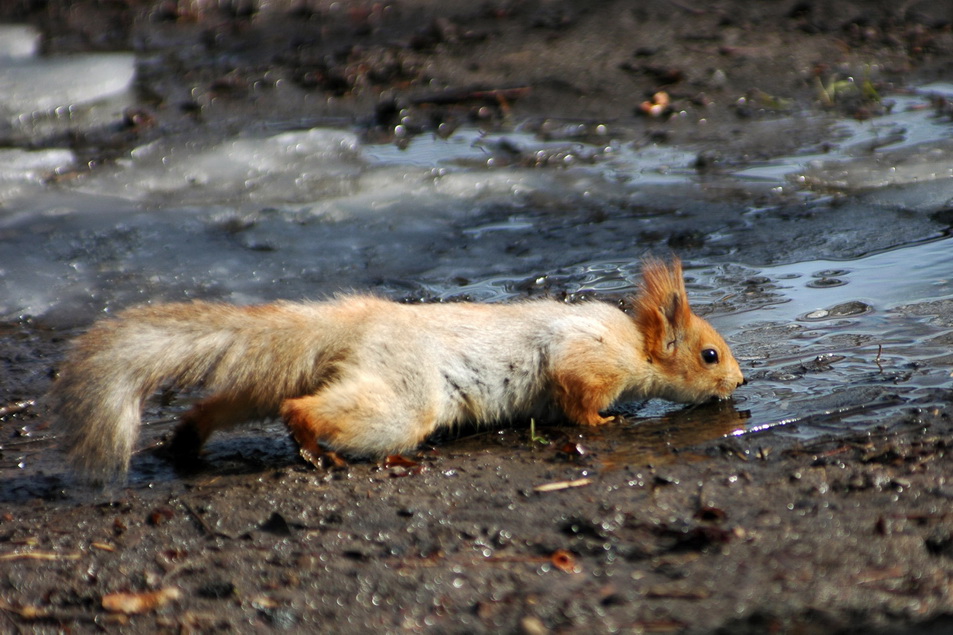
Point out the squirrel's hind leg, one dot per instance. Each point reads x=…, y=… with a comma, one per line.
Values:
x=357, y=417
x=204, y=418
x=308, y=428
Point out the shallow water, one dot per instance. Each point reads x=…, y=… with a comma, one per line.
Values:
x=828, y=271
x=858, y=335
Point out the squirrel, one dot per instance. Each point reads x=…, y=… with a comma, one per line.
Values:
x=363, y=375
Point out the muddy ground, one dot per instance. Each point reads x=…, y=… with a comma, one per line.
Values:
x=664, y=526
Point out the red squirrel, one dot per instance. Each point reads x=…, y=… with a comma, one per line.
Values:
x=363, y=375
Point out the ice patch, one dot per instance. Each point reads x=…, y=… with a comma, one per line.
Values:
x=287, y=168
x=43, y=85
x=24, y=171
x=921, y=163
x=910, y=145
x=18, y=41
x=319, y=172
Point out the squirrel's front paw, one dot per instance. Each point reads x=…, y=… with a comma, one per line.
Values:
x=597, y=419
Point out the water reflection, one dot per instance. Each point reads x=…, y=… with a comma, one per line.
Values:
x=661, y=440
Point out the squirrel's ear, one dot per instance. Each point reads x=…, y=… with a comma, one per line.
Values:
x=672, y=309
x=661, y=309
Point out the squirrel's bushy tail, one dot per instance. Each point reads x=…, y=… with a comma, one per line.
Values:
x=97, y=398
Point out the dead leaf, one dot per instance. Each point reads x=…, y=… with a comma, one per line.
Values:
x=135, y=603
x=400, y=465
x=399, y=460
x=27, y=611
x=573, y=450
x=160, y=515
x=565, y=561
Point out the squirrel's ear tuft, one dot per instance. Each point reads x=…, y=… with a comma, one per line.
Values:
x=661, y=308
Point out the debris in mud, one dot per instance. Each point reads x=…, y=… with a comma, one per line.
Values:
x=16, y=407
x=565, y=561
x=161, y=515
x=277, y=525
x=571, y=451
x=134, y=603
x=659, y=105
x=561, y=485
x=37, y=555
x=401, y=461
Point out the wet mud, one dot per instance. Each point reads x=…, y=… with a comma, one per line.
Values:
x=734, y=517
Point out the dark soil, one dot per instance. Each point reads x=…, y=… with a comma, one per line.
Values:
x=663, y=526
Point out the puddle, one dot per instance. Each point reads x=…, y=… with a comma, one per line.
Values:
x=879, y=339
x=829, y=343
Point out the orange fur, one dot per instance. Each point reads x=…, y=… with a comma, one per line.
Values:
x=587, y=387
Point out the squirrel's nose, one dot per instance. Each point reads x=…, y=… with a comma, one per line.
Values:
x=743, y=382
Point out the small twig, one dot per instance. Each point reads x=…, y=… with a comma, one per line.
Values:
x=561, y=485
x=880, y=350
x=16, y=406
x=25, y=441
x=207, y=529
x=38, y=555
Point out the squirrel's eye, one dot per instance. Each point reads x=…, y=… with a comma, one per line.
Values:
x=710, y=356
